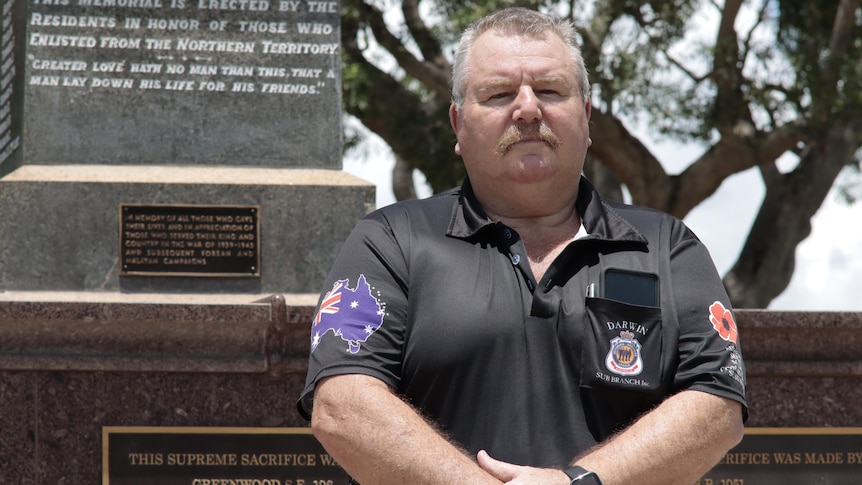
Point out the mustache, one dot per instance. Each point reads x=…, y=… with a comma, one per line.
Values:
x=518, y=133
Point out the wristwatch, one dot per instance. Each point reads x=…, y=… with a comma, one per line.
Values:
x=580, y=476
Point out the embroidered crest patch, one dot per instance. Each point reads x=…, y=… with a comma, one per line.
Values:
x=624, y=357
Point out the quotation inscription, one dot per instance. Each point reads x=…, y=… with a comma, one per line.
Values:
x=228, y=46
x=196, y=240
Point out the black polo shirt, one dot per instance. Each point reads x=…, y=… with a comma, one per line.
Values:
x=439, y=302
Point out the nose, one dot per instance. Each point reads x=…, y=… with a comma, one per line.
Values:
x=527, y=109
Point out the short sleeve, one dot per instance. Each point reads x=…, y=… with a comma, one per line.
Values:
x=359, y=324
x=710, y=359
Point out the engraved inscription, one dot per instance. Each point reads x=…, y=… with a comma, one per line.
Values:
x=246, y=47
x=189, y=240
x=217, y=456
x=791, y=456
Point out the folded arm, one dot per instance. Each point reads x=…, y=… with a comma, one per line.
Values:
x=675, y=443
x=380, y=439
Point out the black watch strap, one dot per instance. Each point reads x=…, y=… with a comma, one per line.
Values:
x=581, y=476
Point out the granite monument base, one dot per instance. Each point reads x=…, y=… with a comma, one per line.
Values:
x=62, y=227
x=73, y=363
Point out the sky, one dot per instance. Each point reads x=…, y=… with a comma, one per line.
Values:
x=828, y=274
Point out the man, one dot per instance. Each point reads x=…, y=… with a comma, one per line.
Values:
x=478, y=336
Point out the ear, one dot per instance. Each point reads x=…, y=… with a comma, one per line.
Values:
x=455, y=123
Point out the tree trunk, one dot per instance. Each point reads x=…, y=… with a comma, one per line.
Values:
x=402, y=180
x=767, y=261
x=603, y=179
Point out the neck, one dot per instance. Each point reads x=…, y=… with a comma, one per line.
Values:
x=561, y=225
x=544, y=237
x=546, y=204
x=543, y=214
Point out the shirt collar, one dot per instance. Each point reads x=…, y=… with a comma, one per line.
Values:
x=598, y=220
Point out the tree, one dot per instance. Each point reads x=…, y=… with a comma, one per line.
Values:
x=785, y=82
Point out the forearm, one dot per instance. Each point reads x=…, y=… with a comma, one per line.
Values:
x=379, y=439
x=676, y=443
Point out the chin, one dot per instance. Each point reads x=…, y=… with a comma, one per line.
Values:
x=530, y=169
x=532, y=178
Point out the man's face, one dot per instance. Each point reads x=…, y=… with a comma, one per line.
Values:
x=523, y=120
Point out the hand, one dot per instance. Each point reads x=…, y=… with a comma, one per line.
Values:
x=517, y=474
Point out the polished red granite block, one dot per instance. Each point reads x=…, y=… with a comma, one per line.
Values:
x=69, y=367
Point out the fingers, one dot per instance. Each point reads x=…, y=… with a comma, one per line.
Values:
x=499, y=469
x=516, y=474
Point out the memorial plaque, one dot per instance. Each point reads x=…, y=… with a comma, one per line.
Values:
x=214, y=82
x=210, y=456
x=189, y=240
x=792, y=456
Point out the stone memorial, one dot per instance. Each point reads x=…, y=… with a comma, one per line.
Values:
x=178, y=108
x=171, y=197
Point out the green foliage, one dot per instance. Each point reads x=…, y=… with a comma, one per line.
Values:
x=804, y=27
x=627, y=44
x=805, y=30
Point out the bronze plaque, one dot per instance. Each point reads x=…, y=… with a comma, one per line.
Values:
x=189, y=240
x=792, y=456
x=215, y=456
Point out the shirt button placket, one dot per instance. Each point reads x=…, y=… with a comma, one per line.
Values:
x=515, y=257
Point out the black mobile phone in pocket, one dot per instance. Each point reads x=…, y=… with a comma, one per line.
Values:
x=632, y=287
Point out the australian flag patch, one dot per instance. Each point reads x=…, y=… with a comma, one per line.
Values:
x=352, y=314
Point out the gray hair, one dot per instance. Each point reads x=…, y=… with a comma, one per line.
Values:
x=516, y=21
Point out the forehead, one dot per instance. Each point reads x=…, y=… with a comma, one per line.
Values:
x=500, y=55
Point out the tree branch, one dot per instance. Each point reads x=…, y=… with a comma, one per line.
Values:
x=415, y=127
x=694, y=77
x=629, y=160
x=729, y=107
x=428, y=45
x=842, y=31
x=729, y=155
x=428, y=73
x=373, y=84
x=760, y=18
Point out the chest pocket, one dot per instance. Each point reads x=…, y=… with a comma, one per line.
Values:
x=622, y=363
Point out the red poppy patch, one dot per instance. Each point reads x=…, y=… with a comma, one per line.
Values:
x=722, y=320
